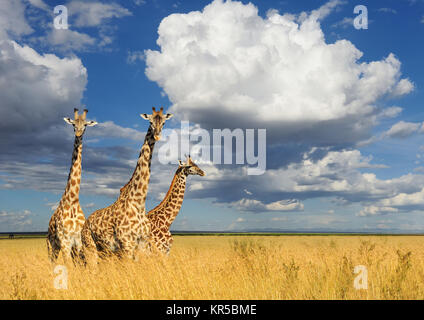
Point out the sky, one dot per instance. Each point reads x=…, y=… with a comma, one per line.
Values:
x=342, y=109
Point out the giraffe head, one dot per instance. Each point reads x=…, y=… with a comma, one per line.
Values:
x=190, y=167
x=79, y=122
x=157, y=120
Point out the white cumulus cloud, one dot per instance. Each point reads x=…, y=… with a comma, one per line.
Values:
x=35, y=88
x=401, y=202
x=12, y=19
x=257, y=206
x=276, y=72
x=67, y=40
x=89, y=14
x=403, y=129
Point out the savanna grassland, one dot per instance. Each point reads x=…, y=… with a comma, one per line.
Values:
x=228, y=267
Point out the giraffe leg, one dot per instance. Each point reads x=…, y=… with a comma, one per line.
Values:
x=166, y=249
x=76, y=250
x=145, y=247
x=145, y=230
x=127, y=248
x=49, y=248
x=127, y=242
x=165, y=243
x=53, y=248
x=66, y=251
x=157, y=243
x=88, y=252
x=169, y=243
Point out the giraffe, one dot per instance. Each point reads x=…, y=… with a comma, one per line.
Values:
x=66, y=222
x=122, y=226
x=162, y=216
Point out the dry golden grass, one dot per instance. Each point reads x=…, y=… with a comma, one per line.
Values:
x=229, y=267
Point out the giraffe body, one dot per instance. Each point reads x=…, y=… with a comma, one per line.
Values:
x=123, y=226
x=64, y=232
x=162, y=216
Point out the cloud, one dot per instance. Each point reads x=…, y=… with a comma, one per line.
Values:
x=323, y=11
x=236, y=224
x=134, y=56
x=139, y=2
x=375, y=210
x=403, y=87
x=401, y=202
x=228, y=67
x=89, y=205
x=36, y=90
x=68, y=40
x=111, y=130
x=223, y=67
x=89, y=26
x=52, y=205
x=346, y=22
x=256, y=206
x=40, y=5
x=341, y=175
x=90, y=14
x=247, y=192
x=387, y=10
x=12, y=20
x=391, y=112
x=279, y=219
x=105, y=169
x=403, y=129
x=15, y=221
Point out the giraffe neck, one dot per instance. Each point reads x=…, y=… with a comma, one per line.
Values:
x=173, y=199
x=136, y=188
x=74, y=178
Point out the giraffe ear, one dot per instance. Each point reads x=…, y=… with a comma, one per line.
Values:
x=91, y=123
x=168, y=116
x=145, y=116
x=68, y=120
x=180, y=163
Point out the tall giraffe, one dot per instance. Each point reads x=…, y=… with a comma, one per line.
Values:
x=66, y=222
x=162, y=216
x=122, y=226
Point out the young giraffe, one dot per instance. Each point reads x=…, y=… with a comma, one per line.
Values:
x=120, y=227
x=165, y=213
x=66, y=223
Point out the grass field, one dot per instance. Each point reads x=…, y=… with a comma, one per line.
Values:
x=228, y=267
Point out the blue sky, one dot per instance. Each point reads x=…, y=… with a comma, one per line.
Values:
x=342, y=108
